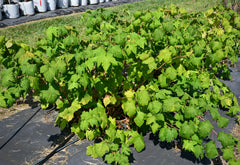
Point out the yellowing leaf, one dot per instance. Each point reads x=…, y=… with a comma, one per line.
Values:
x=68, y=113
x=90, y=134
x=208, y=12
x=181, y=70
x=106, y=100
x=25, y=56
x=226, y=101
x=129, y=93
x=109, y=99
x=44, y=106
x=86, y=99
x=9, y=43
x=164, y=55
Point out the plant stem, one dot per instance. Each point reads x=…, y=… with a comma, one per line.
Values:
x=65, y=95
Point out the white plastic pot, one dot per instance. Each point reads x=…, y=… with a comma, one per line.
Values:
x=15, y=1
x=107, y=0
x=1, y=3
x=92, y=2
x=11, y=10
x=0, y=14
x=101, y=1
x=40, y=5
x=74, y=2
x=63, y=4
x=84, y=2
x=51, y=5
x=27, y=8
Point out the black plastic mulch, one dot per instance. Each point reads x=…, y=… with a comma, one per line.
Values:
x=28, y=136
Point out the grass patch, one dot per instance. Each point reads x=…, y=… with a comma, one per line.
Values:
x=30, y=32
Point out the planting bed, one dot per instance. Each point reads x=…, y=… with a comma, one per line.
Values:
x=39, y=137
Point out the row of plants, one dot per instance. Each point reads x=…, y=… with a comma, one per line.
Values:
x=15, y=8
x=156, y=72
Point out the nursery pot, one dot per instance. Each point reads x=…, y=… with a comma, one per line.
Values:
x=40, y=5
x=11, y=10
x=51, y=5
x=74, y=2
x=107, y=0
x=0, y=14
x=92, y=2
x=101, y=1
x=27, y=8
x=84, y=2
x=15, y=1
x=63, y=4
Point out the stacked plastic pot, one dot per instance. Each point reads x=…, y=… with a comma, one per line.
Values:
x=17, y=8
x=1, y=3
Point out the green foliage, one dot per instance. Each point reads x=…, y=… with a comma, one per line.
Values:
x=187, y=130
x=205, y=128
x=50, y=95
x=154, y=72
x=226, y=139
x=168, y=134
x=129, y=107
x=143, y=97
x=211, y=150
